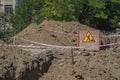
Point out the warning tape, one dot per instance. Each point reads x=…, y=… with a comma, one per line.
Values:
x=71, y=34
x=66, y=47
x=45, y=46
x=54, y=46
x=23, y=46
x=112, y=44
x=48, y=45
x=112, y=36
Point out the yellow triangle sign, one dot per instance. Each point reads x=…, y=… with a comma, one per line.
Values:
x=88, y=38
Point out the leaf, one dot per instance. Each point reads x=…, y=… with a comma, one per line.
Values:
x=116, y=1
x=101, y=15
x=97, y=4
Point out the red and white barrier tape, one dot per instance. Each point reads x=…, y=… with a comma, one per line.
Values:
x=71, y=34
x=52, y=46
x=66, y=47
x=23, y=46
x=47, y=45
x=109, y=36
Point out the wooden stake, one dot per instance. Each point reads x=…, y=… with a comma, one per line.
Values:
x=14, y=40
x=72, y=56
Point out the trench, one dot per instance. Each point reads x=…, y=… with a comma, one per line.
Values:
x=32, y=70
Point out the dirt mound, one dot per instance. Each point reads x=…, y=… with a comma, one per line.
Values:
x=17, y=64
x=21, y=64
x=103, y=65
x=46, y=32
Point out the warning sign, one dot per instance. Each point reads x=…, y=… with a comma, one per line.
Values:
x=88, y=38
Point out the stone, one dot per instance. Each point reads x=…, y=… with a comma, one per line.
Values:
x=79, y=77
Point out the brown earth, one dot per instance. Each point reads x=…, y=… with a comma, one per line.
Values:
x=18, y=64
x=51, y=64
x=39, y=64
x=40, y=34
x=103, y=65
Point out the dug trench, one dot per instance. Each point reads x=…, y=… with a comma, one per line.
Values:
x=17, y=64
x=36, y=64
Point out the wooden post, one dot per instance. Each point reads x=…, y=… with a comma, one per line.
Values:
x=14, y=40
x=72, y=56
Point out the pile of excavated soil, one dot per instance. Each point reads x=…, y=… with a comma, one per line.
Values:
x=103, y=65
x=17, y=64
x=41, y=34
x=35, y=64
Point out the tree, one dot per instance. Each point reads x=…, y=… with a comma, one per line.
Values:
x=5, y=25
x=25, y=13
x=102, y=14
x=57, y=10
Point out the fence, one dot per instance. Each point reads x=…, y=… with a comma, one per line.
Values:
x=43, y=45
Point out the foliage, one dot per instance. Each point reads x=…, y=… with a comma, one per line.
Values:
x=101, y=14
x=25, y=13
x=5, y=25
x=57, y=10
